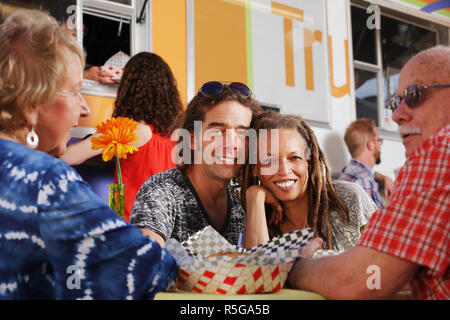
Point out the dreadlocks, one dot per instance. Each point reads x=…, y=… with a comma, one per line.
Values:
x=322, y=197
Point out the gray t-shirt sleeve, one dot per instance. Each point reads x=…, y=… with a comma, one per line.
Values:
x=360, y=207
x=358, y=202
x=153, y=208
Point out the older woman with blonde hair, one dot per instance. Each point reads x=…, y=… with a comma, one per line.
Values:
x=57, y=238
x=290, y=188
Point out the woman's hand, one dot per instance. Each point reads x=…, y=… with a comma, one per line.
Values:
x=261, y=193
x=97, y=74
x=256, y=231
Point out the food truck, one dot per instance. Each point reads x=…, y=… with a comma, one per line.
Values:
x=330, y=61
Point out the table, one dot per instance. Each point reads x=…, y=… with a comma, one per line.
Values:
x=283, y=294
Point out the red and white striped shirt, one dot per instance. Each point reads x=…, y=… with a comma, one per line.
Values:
x=414, y=225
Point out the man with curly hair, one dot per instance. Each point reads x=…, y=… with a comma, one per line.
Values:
x=200, y=192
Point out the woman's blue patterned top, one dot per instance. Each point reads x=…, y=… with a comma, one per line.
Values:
x=59, y=240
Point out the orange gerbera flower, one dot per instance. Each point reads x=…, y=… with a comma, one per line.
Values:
x=117, y=133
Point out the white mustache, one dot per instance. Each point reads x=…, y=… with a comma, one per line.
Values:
x=404, y=130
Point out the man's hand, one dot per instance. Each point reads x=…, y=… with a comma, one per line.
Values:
x=312, y=246
x=388, y=187
x=97, y=74
x=387, y=184
x=345, y=276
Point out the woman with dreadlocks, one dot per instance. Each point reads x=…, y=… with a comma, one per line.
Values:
x=148, y=94
x=290, y=188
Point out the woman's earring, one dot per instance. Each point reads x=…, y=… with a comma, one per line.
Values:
x=32, y=139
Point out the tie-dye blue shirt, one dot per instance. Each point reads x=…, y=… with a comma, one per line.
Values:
x=59, y=240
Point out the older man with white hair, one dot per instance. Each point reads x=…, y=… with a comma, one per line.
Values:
x=408, y=240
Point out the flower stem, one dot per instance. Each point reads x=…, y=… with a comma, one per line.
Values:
x=119, y=172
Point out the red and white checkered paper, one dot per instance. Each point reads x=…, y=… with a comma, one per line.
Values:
x=264, y=269
x=116, y=64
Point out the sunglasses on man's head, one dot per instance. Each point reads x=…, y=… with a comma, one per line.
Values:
x=411, y=95
x=212, y=88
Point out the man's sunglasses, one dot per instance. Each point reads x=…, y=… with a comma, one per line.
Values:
x=212, y=88
x=411, y=95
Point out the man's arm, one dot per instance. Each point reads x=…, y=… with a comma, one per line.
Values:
x=352, y=274
x=152, y=211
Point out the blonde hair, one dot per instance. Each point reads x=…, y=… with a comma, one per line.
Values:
x=32, y=64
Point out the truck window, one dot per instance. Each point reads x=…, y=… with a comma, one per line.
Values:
x=109, y=27
x=379, y=55
x=103, y=37
x=128, y=2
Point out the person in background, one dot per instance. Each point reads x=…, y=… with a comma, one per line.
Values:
x=408, y=240
x=299, y=192
x=148, y=94
x=200, y=192
x=94, y=73
x=364, y=145
x=57, y=238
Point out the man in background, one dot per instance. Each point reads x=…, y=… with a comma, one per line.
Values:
x=364, y=145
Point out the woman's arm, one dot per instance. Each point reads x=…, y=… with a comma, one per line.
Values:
x=112, y=259
x=256, y=230
x=79, y=152
x=144, y=133
x=153, y=235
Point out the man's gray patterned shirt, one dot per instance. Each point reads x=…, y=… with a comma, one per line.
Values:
x=168, y=204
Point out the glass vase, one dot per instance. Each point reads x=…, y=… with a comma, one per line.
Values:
x=116, y=198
